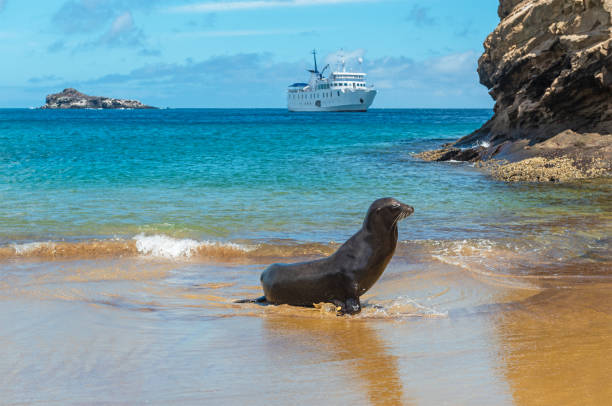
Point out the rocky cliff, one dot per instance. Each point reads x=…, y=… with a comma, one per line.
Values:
x=73, y=99
x=548, y=65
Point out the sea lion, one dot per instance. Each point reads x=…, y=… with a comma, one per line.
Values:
x=345, y=275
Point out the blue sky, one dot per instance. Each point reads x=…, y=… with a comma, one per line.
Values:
x=241, y=53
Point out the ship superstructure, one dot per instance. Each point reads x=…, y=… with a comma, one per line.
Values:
x=341, y=91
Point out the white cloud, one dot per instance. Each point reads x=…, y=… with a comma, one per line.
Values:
x=350, y=57
x=455, y=62
x=121, y=33
x=256, y=4
x=123, y=23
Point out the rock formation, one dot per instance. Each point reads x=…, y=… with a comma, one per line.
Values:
x=73, y=99
x=548, y=65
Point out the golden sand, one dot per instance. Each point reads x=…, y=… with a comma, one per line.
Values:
x=463, y=322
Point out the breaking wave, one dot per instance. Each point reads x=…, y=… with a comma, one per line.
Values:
x=499, y=259
x=167, y=247
x=162, y=246
x=524, y=260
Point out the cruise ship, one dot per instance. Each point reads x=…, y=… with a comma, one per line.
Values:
x=341, y=91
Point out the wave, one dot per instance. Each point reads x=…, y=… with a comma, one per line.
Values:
x=499, y=259
x=162, y=246
x=524, y=259
x=167, y=247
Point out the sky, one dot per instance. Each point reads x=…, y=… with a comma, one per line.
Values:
x=242, y=53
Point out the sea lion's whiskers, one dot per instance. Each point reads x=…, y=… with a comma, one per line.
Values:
x=398, y=218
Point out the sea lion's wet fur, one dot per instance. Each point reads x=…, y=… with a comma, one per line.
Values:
x=345, y=275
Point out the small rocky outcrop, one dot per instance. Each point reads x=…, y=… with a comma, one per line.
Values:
x=548, y=65
x=73, y=99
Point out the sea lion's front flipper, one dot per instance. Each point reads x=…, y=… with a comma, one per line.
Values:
x=351, y=306
x=261, y=299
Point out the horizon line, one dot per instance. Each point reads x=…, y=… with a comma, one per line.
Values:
x=249, y=108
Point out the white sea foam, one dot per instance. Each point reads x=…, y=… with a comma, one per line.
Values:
x=168, y=247
x=485, y=144
x=164, y=246
x=26, y=248
x=402, y=306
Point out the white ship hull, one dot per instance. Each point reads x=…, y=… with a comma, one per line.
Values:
x=333, y=100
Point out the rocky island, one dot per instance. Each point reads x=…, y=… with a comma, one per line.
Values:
x=73, y=99
x=548, y=65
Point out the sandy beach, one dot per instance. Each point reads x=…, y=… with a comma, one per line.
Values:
x=432, y=332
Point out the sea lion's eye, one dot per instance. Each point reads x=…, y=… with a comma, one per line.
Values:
x=395, y=205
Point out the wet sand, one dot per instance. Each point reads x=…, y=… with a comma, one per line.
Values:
x=441, y=327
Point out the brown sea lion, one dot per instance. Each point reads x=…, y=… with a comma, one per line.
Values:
x=345, y=275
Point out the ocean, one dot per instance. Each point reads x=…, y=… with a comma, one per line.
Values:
x=126, y=236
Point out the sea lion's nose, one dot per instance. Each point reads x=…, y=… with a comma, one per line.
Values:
x=409, y=209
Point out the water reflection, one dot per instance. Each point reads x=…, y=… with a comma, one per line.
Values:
x=352, y=348
x=556, y=347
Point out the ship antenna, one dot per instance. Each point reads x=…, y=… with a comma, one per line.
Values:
x=314, y=54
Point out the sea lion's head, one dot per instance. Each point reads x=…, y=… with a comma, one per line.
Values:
x=385, y=213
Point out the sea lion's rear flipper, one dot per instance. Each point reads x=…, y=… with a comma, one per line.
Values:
x=258, y=300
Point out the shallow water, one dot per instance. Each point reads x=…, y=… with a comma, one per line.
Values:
x=143, y=330
x=125, y=238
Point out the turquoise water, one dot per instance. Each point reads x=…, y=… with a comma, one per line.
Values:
x=126, y=237
x=262, y=175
